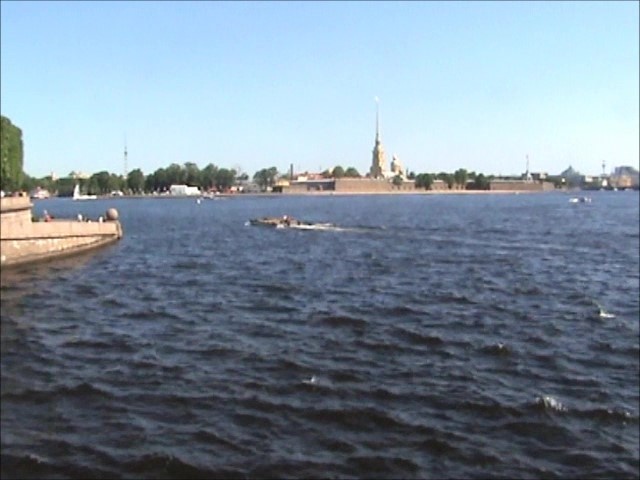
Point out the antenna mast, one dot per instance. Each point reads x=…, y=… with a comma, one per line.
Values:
x=125, y=157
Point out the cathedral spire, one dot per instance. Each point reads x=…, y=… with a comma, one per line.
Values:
x=378, y=161
x=377, y=118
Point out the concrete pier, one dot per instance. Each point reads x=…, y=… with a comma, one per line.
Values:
x=24, y=241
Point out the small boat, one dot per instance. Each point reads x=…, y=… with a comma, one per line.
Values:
x=580, y=200
x=39, y=193
x=287, y=222
x=78, y=196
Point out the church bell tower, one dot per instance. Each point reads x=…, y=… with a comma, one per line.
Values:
x=378, y=162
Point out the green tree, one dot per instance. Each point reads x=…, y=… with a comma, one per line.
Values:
x=11, y=155
x=481, y=182
x=460, y=177
x=116, y=182
x=64, y=186
x=225, y=179
x=191, y=174
x=160, y=180
x=99, y=183
x=397, y=180
x=266, y=177
x=176, y=175
x=351, y=172
x=208, y=177
x=135, y=181
x=47, y=183
x=338, y=172
x=29, y=183
x=424, y=180
x=446, y=178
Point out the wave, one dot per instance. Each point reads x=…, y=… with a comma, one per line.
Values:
x=376, y=465
x=549, y=403
x=366, y=418
x=82, y=390
x=608, y=415
x=498, y=349
x=161, y=466
x=32, y=466
x=417, y=338
x=338, y=321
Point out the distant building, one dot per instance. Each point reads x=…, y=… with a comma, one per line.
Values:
x=624, y=177
x=39, y=193
x=397, y=168
x=79, y=175
x=183, y=190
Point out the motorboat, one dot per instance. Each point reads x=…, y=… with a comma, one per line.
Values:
x=287, y=222
x=580, y=200
x=275, y=222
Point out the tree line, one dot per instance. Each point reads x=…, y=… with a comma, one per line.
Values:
x=210, y=178
x=460, y=179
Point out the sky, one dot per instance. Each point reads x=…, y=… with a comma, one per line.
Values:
x=251, y=85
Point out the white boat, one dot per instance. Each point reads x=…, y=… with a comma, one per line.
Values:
x=39, y=193
x=78, y=196
x=580, y=200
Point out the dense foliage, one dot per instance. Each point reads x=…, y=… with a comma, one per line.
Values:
x=266, y=177
x=11, y=156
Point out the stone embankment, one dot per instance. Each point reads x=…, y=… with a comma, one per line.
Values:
x=24, y=241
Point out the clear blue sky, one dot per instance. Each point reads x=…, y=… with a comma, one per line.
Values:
x=258, y=84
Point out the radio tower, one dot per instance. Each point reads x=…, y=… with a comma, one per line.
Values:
x=125, y=158
x=604, y=166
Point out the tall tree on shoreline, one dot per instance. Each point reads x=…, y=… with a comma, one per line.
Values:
x=11, y=156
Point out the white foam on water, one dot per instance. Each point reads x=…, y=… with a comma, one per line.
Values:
x=311, y=381
x=550, y=402
x=604, y=314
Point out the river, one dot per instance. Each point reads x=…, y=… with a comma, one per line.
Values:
x=429, y=336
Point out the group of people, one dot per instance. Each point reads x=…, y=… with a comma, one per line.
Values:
x=47, y=217
x=85, y=219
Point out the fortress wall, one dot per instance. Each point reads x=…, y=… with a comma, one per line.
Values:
x=520, y=185
x=361, y=185
x=369, y=185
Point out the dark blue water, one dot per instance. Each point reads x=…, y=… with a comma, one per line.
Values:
x=435, y=336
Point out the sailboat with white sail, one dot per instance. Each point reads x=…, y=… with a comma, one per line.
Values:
x=78, y=196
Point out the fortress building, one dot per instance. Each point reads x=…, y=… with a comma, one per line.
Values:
x=379, y=179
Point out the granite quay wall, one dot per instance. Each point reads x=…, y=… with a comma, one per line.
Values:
x=24, y=241
x=15, y=212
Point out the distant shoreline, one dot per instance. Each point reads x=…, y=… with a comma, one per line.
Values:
x=332, y=194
